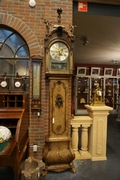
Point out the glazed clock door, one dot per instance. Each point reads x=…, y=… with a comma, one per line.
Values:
x=59, y=58
x=59, y=101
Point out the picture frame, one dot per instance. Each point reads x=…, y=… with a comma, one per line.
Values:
x=108, y=71
x=81, y=70
x=118, y=72
x=95, y=71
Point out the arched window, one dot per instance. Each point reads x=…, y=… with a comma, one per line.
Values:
x=14, y=53
x=14, y=58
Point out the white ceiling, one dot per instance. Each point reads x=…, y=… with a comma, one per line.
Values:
x=103, y=33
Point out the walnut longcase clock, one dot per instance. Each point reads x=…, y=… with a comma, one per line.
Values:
x=58, y=154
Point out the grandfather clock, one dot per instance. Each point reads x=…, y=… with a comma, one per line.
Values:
x=58, y=154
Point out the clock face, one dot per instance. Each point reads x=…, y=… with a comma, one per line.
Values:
x=3, y=84
x=59, y=51
x=17, y=84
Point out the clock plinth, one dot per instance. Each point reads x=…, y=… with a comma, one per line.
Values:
x=58, y=154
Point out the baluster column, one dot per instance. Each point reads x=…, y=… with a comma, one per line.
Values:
x=85, y=122
x=75, y=139
x=84, y=139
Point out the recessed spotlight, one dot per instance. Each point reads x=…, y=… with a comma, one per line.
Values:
x=115, y=61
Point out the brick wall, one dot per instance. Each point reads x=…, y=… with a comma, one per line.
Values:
x=28, y=21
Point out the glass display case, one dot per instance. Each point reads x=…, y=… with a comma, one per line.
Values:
x=111, y=92
x=82, y=94
x=86, y=79
x=84, y=87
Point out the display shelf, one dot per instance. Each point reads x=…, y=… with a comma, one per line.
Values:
x=36, y=107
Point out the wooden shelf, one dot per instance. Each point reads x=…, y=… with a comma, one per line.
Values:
x=14, y=100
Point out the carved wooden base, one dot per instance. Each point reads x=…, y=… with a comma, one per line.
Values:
x=58, y=156
x=58, y=168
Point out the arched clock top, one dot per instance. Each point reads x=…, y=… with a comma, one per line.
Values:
x=59, y=53
x=54, y=36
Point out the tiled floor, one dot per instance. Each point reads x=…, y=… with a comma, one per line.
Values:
x=87, y=169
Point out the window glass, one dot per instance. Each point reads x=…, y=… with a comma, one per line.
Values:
x=6, y=66
x=6, y=51
x=22, y=52
x=0, y=45
x=15, y=42
x=14, y=53
x=22, y=67
x=4, y=34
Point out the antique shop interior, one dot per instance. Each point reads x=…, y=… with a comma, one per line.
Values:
x=59, y=89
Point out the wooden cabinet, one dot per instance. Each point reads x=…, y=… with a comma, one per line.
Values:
x=14, y=114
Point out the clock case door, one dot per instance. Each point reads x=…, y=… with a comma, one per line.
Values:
x=59, y=67
x=59, y=98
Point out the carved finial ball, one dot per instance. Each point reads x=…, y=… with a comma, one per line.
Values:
x=59, y=11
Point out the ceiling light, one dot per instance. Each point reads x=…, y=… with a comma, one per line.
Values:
x=115, y=62
x=85, y=41
x=32, y=3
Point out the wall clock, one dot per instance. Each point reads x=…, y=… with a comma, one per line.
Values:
x=3, y=84
x=18, y=84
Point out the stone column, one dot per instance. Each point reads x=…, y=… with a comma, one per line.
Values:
x=84, y=140
x=98, y=131
x=75, y=139
x=85, y=122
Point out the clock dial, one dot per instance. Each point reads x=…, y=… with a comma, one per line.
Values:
x=3, y=84
x=17, y=84
x=59, y=51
